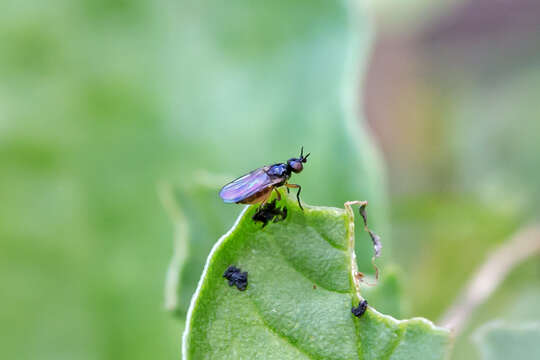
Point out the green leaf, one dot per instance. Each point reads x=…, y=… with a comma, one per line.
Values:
x=298, y=301
x=500, y=341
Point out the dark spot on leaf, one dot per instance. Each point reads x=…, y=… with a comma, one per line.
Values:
x=270, y=212
x=314, y=287
x=236, y=277
x=360, y=310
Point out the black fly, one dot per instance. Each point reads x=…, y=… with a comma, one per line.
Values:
x=256, y=186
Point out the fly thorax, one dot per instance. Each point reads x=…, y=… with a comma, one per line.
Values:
x=278, y=170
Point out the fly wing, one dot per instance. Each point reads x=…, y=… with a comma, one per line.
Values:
x=246, y=185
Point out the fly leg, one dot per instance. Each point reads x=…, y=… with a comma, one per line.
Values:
x=278, y=194
x=263, y=202
x=296, y=186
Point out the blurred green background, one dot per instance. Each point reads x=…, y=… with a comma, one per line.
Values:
x=117, y=117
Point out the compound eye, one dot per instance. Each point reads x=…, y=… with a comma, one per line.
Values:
x=297, y=166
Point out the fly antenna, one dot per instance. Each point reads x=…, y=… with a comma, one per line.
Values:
x=302, y=157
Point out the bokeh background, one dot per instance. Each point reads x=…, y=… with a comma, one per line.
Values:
x=119, y=120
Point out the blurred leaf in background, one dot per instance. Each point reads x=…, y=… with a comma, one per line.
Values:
x=100, y=100
x=498, y=340
x=446, y=240
x=84, y=239
x=461, y=139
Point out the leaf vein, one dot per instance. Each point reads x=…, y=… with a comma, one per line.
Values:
x=279, y=334
x=393, y=346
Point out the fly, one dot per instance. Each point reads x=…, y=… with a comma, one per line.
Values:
x=256, y=186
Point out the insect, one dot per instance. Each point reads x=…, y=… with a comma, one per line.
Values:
x=361, y=309
x=256, y=186
x=270, y=212
x=236, y=277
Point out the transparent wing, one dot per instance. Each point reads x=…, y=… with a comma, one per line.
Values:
x=247, y=185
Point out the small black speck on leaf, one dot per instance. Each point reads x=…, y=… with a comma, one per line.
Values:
x=270, y=212
x=361, y=309
x=236, y=277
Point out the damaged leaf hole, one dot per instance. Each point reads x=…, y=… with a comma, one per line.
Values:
x=269, y=212
x=236, y=277
x=375, y=239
